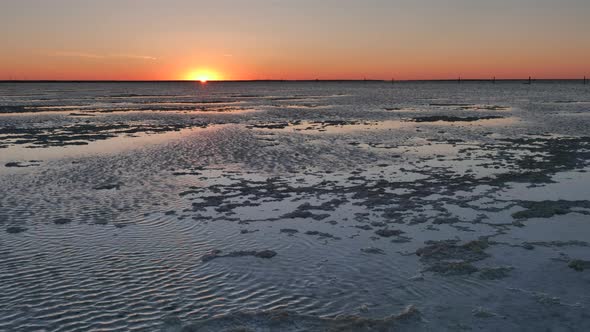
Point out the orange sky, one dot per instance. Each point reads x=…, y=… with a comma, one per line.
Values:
x=303, y=39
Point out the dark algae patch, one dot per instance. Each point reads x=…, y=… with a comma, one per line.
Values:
x=579, y=265
x=15, y=229
x=387, y=232
x=62, y=221
x=108, y=186
x=322, y=235
x=242, y=253
x=452, y=268
x=548, y=209
x=494, y=273
x=451, y=258
x=16, y=109
x=304, y=215
x=373, y=250
x=19, y=164
x=445, y=118
x=289, y=231
x=450, y=249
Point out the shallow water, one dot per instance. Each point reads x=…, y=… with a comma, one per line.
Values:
x=116, y=198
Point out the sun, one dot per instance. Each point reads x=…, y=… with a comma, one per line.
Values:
x=203, y=75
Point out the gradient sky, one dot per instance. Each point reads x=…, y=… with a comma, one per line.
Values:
x=293, y=39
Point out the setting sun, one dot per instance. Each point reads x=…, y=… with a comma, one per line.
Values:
x=203, y=76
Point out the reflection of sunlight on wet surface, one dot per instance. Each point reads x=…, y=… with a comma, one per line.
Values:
x=346, y=128
x=114, y=145
x=343, y=127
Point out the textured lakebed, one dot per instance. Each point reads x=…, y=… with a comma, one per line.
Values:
x=294, y=206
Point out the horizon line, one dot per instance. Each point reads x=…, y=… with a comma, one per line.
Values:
x=459, y=79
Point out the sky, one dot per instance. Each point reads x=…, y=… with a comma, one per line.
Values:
x=293, y=39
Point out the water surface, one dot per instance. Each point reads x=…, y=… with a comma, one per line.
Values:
x=418, y=206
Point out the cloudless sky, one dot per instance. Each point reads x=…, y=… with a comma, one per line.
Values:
x=293, y=39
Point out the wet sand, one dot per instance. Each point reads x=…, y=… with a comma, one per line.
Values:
x=294, y=206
